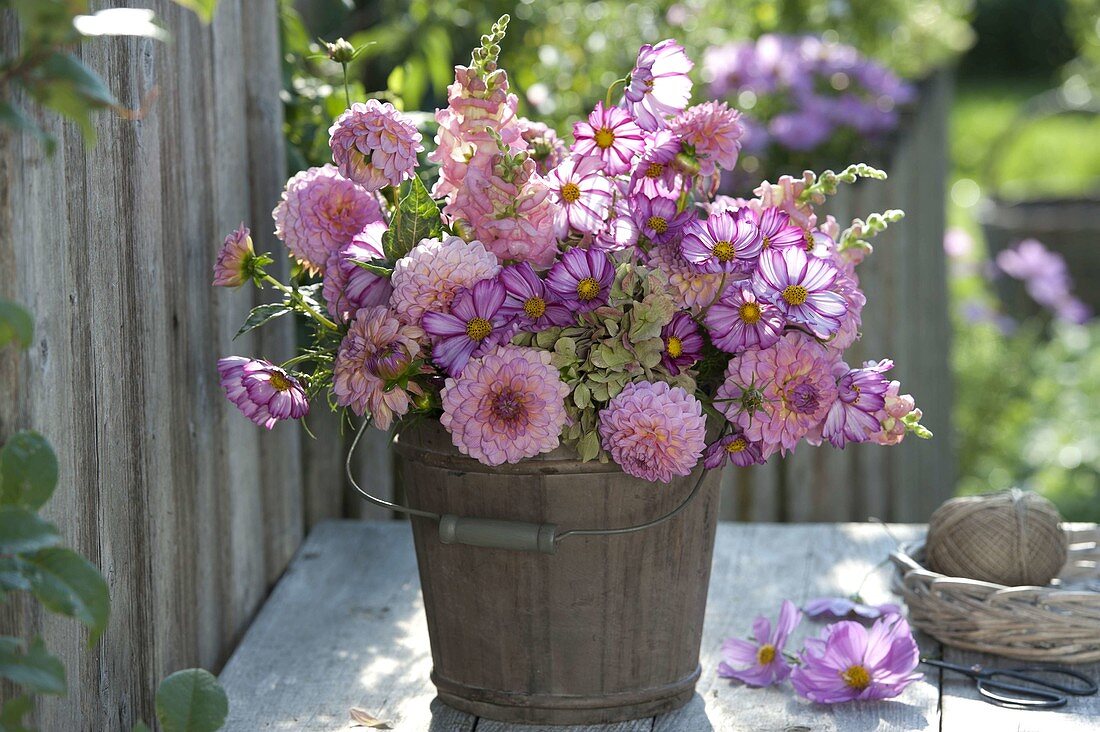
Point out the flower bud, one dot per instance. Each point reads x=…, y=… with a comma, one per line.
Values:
x=340, y=51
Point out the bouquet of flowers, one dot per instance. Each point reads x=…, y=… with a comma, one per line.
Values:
x=597, y=295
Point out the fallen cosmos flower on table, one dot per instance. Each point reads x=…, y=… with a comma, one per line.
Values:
x=843, y=607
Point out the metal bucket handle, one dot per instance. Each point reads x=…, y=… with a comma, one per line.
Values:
x=501, y=534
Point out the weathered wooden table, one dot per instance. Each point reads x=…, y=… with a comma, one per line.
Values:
x=345, y=629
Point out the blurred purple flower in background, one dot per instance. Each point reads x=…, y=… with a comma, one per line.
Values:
x=1045, y=277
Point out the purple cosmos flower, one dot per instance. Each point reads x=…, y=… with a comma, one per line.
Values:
x=799, y=286
x=658, y=219
x=611, y=136
x=655, y=175
x=582, y=279
x=860, y=396
x=473, y=326
x=849, y=661
x=584, y=193
x=777, y=230
x=527, y=300
x=659, y=84
x=683, y=343
x=760, y=662
x=734, y=448
x=262, y=391
x=724, y=242
x=842, y=607
x=741, y=320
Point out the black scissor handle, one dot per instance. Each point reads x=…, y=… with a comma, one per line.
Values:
x=1050, y=677
x=1019, y=697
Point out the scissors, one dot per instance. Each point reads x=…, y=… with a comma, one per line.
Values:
x=1040, y=687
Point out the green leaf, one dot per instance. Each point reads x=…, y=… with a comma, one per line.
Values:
x=191, y=700
x=262, y=314
x=589, y=446
x=12, y=713
x=23, y=532
x=28, y=470
x=67, y=583
x=67, y=68
x=15, y=118
x=202, y=8
x=377, y=269
x=13, y=574
x=416, y=218
x=16, y=324
x=35, y=670
x=141, y=727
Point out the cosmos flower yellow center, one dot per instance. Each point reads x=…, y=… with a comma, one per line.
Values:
x=588, y=288
x=570, y=192
x=674, y=347
x=657, y=224
x=654, y=170
x=280, y=382
x=795, y=294
x=807, y=241
x=856, y=677
x=766, y=654
x=478, y=329
x=534, y=307
x=739, y=445
x=750, y=313
x=605, y=138
x=724, y=251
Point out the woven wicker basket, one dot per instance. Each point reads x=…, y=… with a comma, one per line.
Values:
x=1059, y=623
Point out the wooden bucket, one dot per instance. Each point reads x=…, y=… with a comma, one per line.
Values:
x=605, y=629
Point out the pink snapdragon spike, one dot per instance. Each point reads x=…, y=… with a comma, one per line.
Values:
x=802, y=288
x=659, y=84
x=611, y=136
x=654, y=431
x=347, y=287
x=582, y=279
x=505, y=406
x=896, y=407
x=528, y=302
x=849, y=662
x=262, y=391
x=683, y=343
x=374, y=145
x=843, y=607
x=426, y=279
x=760, y=661
x=233, y=267
x=711, y=136
x=584, y=196
x=724, y=242
x=735, y=449
x=861, y=394
x=473, y=326
x=740, y=320
x=658, y=219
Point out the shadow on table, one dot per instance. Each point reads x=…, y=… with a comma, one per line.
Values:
x=692, y=716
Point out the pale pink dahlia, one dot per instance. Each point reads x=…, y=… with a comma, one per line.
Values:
x=347, y=286
x=377, y=348
x=320, y=212
x=654, y=431
x=374, y=145
x=505, y=406
x=711, y=134
x=694, y=290
x=427, y=278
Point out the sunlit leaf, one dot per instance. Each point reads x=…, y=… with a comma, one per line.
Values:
x=191, y=700
x=16, y=324
x=263, y=314
x=202, y=8
x=120, y=22
x=416, y=218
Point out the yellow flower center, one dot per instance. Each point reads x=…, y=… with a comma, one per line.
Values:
x=767, y=242
x=750, y=313
x=808, y=241
x=766, y=654
x=570, y=192
x=674, y=347
x=654, y=170
x=724, y=251
x=605, y=138
x=856, y=677
x=795, y=294
x=478, y=329
x=534, y=307
x=739, y=445
x=280, y=382
x=588, y=288
x=657, y=224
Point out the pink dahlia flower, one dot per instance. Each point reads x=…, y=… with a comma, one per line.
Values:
x=760, y=661
x=427, y=278
x=582, y=279
x=659, y=84
x=584, y=196
x=802, y=287
x=234, y=265
x=724, y=242
x=528, y=301
x=505, y=406
x=262, y=391
x=377, y=349
x=849, y=662
x=611, y=136
x=694, y=290
x=347, y=286
x=710, y=134
x=860, y=396
x=472, y=327
x=734, y=448
x=740, y=320
x=374, y=145
x=320, y=212
x=654, y=431
x=683, y=343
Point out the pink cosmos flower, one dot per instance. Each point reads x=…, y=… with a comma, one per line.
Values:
x=740, y=320
x=801, y=287
x=262, y=391
x=724, y=242
x=374, y=145
x=896, y=407
x=654, y=431
x=505, y=406
x=694, y=290
x=427, y=278
x=584, y=196
x=472, y=327
x=776, y=228
x=320, y=212
x=683, y=343
x=842, y=607
x=849, y=662
x=760, y=662
x=860, y=396
x=733, y=448
x=235, y=259
x=582, y=279
x=659, y=84
x=377, y=349
x=655, y=175
x=611, y=136
x=711, y=135
x=347, y=286
x=658, y=219
x=527, y=300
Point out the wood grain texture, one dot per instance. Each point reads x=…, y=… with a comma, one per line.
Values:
x=189, y=510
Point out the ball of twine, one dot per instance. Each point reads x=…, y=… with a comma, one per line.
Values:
x=1009, y=538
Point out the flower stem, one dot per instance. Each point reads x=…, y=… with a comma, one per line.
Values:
x=347, y=92
x=607, y=101
x=296, y=298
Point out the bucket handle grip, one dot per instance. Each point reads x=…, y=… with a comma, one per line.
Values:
x=501, y=534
